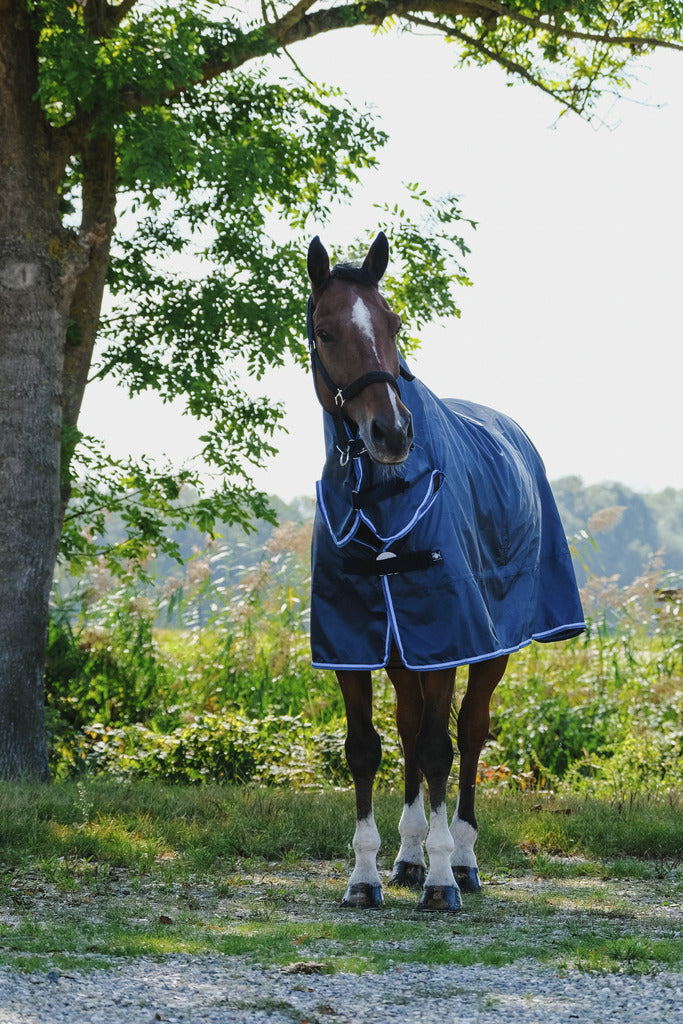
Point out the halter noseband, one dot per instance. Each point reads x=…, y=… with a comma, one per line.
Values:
x=347, y=446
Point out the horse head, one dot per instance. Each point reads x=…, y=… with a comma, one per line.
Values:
x=353, y=346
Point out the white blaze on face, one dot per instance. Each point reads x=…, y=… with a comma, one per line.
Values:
x=394, y=406
x=362, y=319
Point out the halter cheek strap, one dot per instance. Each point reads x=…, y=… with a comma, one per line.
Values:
x=347, y=447
x=344, y=395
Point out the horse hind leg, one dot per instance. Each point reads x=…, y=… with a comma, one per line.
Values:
x=409, y=868
x=363, y=754
x=473, y=727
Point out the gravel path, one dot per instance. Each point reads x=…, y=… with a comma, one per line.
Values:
x=228, y=990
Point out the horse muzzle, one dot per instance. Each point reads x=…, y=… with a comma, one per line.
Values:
x=389, y=441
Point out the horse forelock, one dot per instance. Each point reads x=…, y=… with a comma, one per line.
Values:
x=349, y=272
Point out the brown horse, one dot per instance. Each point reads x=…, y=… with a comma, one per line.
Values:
x=357, y=371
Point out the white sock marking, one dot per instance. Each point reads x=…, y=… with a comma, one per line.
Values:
x=413, y=829
x=366, y=843
x=439, y=847
x=464, y=838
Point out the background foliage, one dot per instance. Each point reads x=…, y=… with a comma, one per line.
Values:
x=188, y=168
x=206, y=677
x=221, y=162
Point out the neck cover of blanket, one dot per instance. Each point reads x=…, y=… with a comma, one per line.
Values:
x=457, y=555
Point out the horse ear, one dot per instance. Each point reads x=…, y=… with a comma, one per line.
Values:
x=377, y=258
x=318, y=263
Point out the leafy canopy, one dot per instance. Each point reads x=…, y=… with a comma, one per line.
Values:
x=222, y=164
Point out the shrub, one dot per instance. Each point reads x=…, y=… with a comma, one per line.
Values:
x=236, y=699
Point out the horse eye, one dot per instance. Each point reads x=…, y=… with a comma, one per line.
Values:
x=324, y=337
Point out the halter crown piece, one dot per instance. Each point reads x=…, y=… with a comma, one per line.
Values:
x=347, y=446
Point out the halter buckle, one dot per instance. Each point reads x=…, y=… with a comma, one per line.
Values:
x=353, y=450
x=339, y=398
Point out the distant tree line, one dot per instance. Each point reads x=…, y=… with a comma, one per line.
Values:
x=618, y=532
x=614, y=531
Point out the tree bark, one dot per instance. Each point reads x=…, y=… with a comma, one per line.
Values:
x=36, y=273
x=97, y=227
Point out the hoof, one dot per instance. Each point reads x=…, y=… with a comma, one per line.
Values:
x=363, y=895
x=467, y=879
x=441, y=897
x=410, y=876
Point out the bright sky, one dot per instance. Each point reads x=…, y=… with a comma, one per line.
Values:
x=573, y=324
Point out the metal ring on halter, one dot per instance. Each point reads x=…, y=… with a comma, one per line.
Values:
x=339, y=398
x=352, y=449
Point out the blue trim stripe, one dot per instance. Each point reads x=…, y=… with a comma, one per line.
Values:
x=460, y=661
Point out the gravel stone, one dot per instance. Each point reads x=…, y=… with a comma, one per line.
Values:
x=229, y=990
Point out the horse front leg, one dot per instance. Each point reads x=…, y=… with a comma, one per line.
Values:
x=363, y=754
x=435, y=756
x=473, y=727
x=409, y=867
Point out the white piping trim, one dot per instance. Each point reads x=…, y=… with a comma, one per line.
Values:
x=349, y=535
x=459, y=661
x=387, y=642
x=392, y=621
x=556, y=629
x=348, y=668
x=424, y=507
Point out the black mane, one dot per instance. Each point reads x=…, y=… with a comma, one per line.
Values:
x=348, y=272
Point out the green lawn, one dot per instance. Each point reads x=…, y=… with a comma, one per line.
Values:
x=95, y=869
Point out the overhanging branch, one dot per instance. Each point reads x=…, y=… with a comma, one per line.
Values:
x=608, y=37
x=300, y=21
x=117, y=12
x=509, y=65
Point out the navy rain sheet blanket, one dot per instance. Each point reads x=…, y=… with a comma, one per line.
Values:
x=458, y=555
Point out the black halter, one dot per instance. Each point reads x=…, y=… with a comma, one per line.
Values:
x=347, y=446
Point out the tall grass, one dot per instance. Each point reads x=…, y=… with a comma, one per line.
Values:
x=228, y=694
x=150, y=827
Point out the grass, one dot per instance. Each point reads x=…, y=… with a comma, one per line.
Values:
x=144, y=825
x=92, y=869
x=237, y=701
x=95, y=870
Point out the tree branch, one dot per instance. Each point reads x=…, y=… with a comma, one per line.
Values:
x=299, y=23
x=97, y=226
x=117, y=12
x=296, y=12
x=509, y=65
x=65, y=141
x=631, y=41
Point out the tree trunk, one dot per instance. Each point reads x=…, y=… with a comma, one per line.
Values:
x=97, y=227
x=34, y=290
